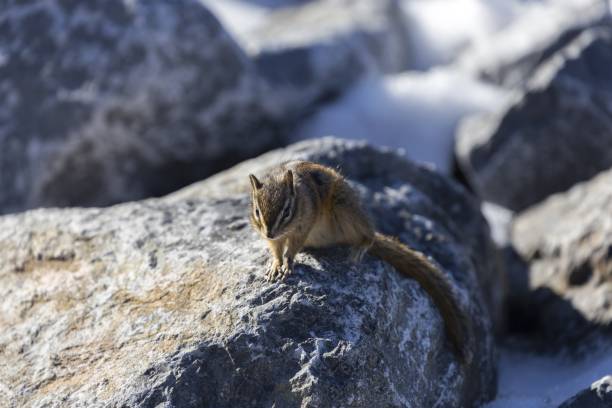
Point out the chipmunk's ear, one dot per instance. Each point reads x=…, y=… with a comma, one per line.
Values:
x=289, y=181
x=255, y=184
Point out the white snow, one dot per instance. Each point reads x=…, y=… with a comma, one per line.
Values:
x=532, y=381
x=440, y=29
x=499, y=219
x=238, y=17
x=415, y=111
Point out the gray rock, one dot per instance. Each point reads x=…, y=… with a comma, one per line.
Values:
x=106, y=101
x=163, y=302
x=315, y=52
x=598, y=395
x=555, y=134
x=567, y=242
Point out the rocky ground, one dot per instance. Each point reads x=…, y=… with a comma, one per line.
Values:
x=161, y=301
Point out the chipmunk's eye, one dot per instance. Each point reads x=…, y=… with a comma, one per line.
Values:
x=286, y=212
x=257, y=212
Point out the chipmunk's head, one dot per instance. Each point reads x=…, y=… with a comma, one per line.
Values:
x=273, y=204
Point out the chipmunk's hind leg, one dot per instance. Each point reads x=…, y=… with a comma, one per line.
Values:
x=352, y=224
x=358, y=252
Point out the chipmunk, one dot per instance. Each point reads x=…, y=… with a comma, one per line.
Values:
x=303, y=204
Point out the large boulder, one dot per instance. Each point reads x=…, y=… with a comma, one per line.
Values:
x=313, y=53
x=106, y=101
x=163, y=302
x=556, y=133
x=567, y=243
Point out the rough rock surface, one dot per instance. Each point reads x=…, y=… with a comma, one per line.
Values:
x=163, y=303
x=106, y=101
x=352, y=39
x=567, y=243
x=557, y=133
x=598, y=395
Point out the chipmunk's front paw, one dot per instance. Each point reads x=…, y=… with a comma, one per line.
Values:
x=286, y=269
x=278, y=271
x=274, y=272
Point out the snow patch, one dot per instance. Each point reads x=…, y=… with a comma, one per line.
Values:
x=441, y=29
x=238, y=17
x=414, y=111
x=532, y=381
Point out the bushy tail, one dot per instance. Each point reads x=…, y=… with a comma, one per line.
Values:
x=414, y=265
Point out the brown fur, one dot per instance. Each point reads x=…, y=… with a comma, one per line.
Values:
x=326, y=211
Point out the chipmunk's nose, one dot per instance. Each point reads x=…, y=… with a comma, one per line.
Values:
x=270, y=234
